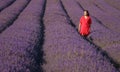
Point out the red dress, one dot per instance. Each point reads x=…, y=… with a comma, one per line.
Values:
x=85, y=25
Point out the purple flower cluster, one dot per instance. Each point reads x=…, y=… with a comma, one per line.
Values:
x=19, y=44
x=11, y=13
x=65, y=50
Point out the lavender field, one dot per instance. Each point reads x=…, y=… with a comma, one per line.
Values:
x=42, y=36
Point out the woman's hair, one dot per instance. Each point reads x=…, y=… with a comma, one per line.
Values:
x=87, y=12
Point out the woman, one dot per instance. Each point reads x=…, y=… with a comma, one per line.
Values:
x=84, y=25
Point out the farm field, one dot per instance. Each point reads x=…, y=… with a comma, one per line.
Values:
x=42, y=36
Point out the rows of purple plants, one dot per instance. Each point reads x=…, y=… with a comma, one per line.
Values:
x=11, y=13
x=65, y=50
x=22, y=36
x=20, y=47
x=105, y=7
x=107, y=40
x=114, y=3
x=5, y=3
x=100, y=34
x=105, y=18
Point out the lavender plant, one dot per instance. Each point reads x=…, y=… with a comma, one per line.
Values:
x=20, y=44
x=10, y=14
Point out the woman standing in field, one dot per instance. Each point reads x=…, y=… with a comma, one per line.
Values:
x=84, y=24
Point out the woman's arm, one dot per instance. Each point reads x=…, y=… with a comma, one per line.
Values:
x=90, y=22
x=80, y=23
x=79, y=27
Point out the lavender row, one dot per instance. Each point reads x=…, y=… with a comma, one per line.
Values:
x=100, y=35
x=106, y=38
x=75, y=11
x=105, y=7
x=20, y=47
x=5, y=3
x=65, y=50
x=97, y=27
x=10, y=14
x=105, y=19
x=114, y=3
